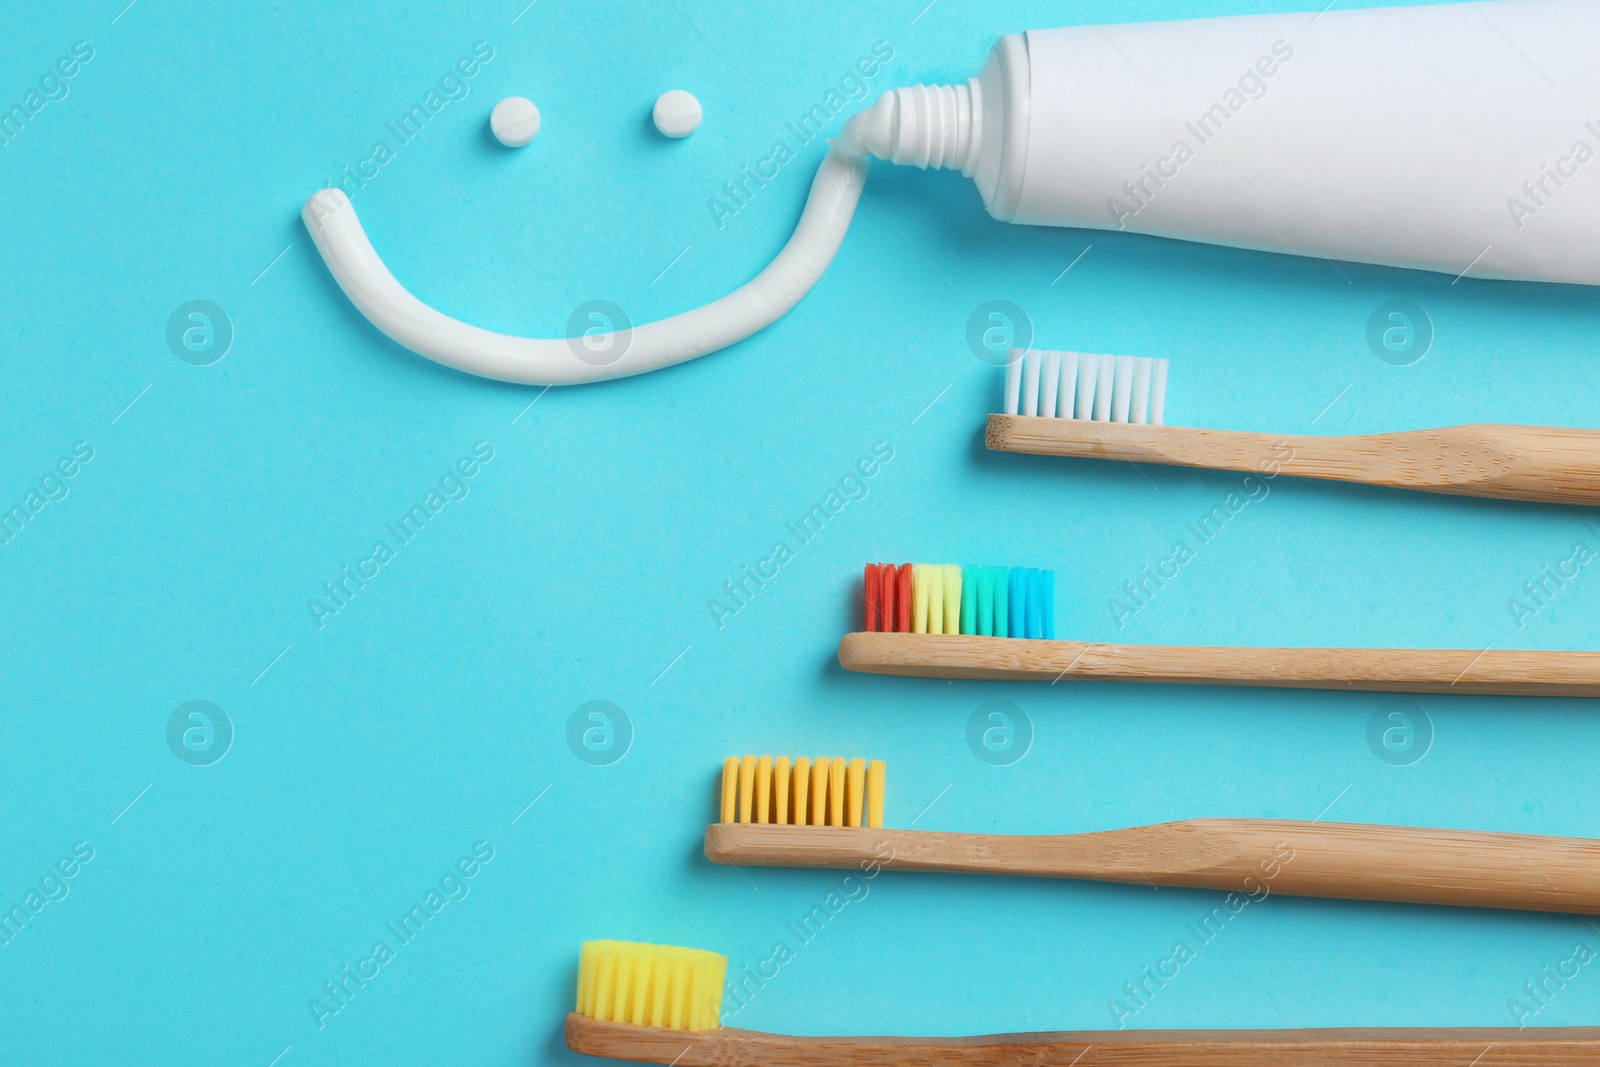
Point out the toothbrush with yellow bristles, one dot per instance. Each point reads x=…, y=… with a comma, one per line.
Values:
x=828, y=813
x=658, y=1004
x=824, y=792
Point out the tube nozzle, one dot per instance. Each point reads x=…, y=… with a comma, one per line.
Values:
x=924, y=126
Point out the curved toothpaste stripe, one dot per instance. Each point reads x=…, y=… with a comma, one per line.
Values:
x=355, y=265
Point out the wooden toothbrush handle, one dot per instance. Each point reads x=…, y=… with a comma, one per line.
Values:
x=1497, y=672
x=1252, y=857
x=1551, y=464
x=1555, y=1046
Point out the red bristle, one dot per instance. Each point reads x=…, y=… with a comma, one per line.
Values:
x=886, y=597
x=902, y=599
x=872, y=596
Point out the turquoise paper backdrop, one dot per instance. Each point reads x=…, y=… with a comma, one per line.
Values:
x=374, y=753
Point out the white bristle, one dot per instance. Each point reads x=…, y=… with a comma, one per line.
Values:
x=1158, y=393
x=1075, y=385
x=1122, y=392
x=1088, y=371
x=1013, y=380
x=1069, y=384
x=1140, y=413
x=1105, y=382
x=1052, y=384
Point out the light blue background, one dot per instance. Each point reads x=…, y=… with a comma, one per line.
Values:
x=370, y=754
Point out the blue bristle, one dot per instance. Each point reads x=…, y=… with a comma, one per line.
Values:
x=1035, y=604
x=1047, y=605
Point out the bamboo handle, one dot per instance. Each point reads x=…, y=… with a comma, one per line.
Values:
x=1495, y=672
x=1551, y=464
x=1255, y=857
x=1556, y=1046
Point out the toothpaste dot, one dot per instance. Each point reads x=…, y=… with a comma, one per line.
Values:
x=677, y=113
x=514, y=121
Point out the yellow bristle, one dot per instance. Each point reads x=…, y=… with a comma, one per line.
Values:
x=780, y=790
x=935, y=598
x=639, y=996
x=854, y=786
x=730, y=788
x=763, y=789
x=819, y=791
x=952, y=598
x=678, y=991
x=588, y=971
x=626, y=963
x=717, y=974
x=802, y=780
x=660, y=982
x=875, y=772
x=747, y=775
x=651, y=985
x=705, y=994
x=836, y=792
x=605, y=979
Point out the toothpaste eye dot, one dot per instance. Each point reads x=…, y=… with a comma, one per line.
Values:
x=514, y=121
x=677, y=113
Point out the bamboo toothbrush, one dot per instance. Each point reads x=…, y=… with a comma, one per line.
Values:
x=659, y=1004
x=828, y=813
x=944, y=621
x=1113, y=407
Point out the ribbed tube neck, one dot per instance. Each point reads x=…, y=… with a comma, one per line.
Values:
x=939, y=126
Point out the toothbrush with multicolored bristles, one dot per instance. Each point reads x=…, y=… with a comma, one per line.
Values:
x=830, y=815
x=943, y=598
x=660, y=1004
x=1113, y=407
x=909, y=631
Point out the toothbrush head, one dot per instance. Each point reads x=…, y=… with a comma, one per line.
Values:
x=1077, y=385
x=944, y=598
x=802, y=792
x=651, y=985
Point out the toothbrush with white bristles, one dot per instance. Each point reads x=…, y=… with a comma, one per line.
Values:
x=1114, y=407
x=1078, y=385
